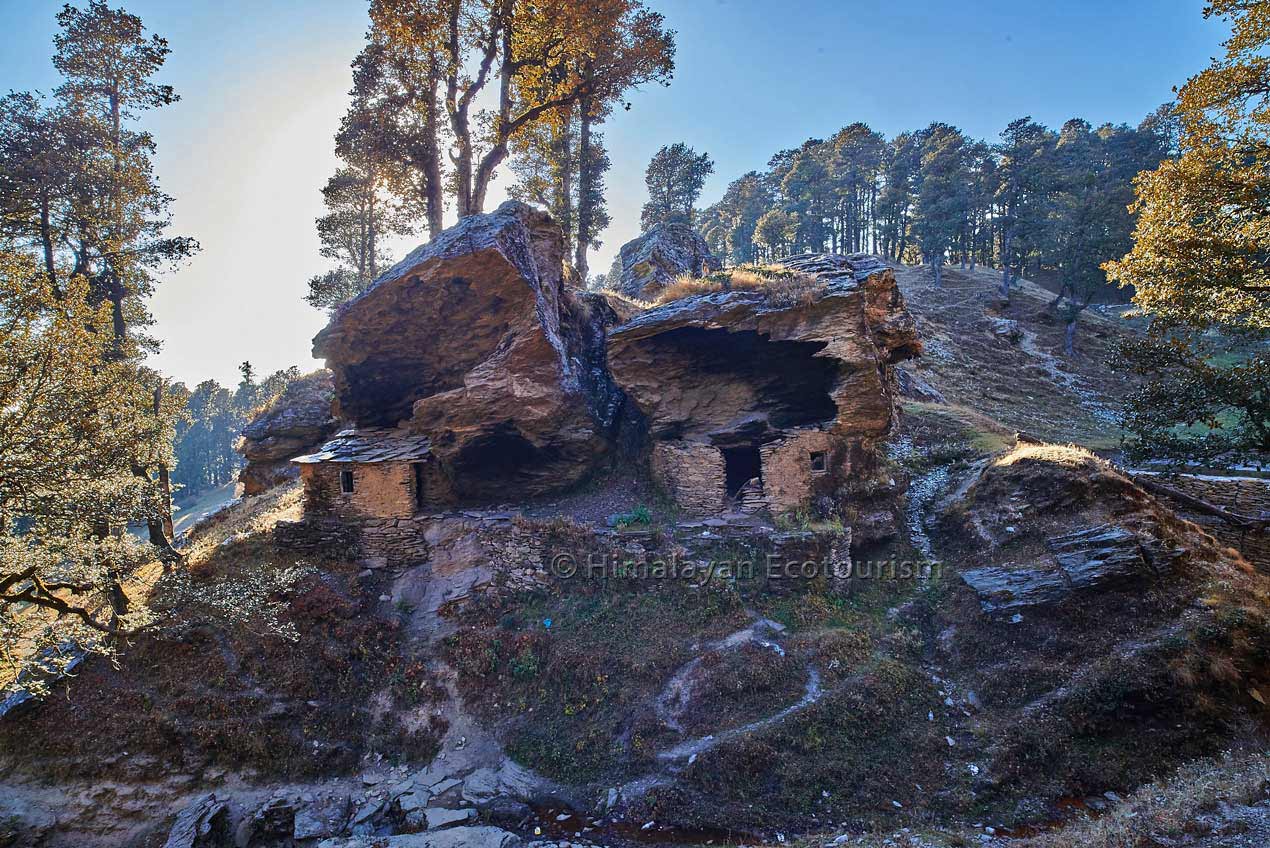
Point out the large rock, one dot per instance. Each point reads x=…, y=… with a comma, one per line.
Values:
x=204, y=823
x=652, y=261
x=1098, y=557
x=476, y=341
x=745, y=365
x=292, y=424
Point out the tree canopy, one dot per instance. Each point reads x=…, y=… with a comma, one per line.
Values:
x=1198, y=263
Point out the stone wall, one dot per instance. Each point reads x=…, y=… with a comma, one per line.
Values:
x=693, y=474
x=384, y=490
x=469, y=550
x=789, y=480
x=1246, y=496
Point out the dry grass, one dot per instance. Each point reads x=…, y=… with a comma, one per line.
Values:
x=1166, y=812
x=1161, y=812
x=1070, y=456
x=625, y=300
x=253, y=515
x=779, y=284
x=686, y=285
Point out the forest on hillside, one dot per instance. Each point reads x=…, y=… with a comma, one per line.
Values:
x=1035, y=200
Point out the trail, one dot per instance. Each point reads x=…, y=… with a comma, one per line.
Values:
x=1067, y=379
x=812, y=693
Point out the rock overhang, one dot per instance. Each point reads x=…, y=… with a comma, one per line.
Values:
x=476, y=341
x=819, y=361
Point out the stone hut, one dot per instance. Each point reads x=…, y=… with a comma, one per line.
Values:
x=473, y=373
x=768, y=398
x=371, y=474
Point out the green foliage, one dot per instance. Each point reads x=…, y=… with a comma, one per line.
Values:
x=1049, y=200
x=1198, y=262
x=639, y=516
x=674, y=177
x=86, y=429
x=206, y=435
x=360, y=213
x=942, y=198
x=1194, y=406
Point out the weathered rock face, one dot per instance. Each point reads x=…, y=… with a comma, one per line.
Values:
x=475, y=341
x=294, y=423
x=1052, y=525
x=742, y=367
x=652, y=261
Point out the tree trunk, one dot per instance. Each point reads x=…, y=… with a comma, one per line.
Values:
x=46, y=239
x=564, y=171
x=1069, y=335
x=585, y=188
x=1007, y=238
x=433, y=199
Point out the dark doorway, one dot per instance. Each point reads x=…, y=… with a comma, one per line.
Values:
x=421, y=487
x=741, y=465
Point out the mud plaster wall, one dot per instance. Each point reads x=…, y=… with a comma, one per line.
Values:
x=788, y=479
x=692, y=473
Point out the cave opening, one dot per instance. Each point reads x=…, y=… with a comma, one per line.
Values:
x=741, y=386
x=740, y=466
x=500, y=463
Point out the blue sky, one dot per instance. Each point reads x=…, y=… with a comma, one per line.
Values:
x=264, y=84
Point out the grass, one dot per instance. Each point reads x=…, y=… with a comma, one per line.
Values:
x=263, y=661
x=633, y=304
x=781, y=285
x=582, y=686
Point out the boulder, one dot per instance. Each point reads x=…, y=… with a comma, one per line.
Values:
x=440, y=817
x=292, y=424
x=1006, y=329
x=476, y=341
x=745, y=365
x=652, y=261
x=1003, y=588
x=1099, y=556
x=272, y=823
x=321, y=817
x=204, y=823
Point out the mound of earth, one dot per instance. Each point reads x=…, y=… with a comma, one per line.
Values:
x=297, y=693
x=1006, y=361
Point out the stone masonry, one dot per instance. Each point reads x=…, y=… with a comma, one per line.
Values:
x=692, y=473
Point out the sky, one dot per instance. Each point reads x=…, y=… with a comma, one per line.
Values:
x=263, y=86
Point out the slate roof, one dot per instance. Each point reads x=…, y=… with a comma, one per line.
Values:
x=382, y=444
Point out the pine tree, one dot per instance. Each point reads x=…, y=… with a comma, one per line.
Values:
x=675, y=177
x=361, y=214
x=942, y=201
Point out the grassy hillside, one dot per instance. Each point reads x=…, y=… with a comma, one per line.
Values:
x=1016, y=375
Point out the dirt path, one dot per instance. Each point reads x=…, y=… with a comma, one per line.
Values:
x=689, y=749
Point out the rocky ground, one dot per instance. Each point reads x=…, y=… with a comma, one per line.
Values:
x=1067, y=664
